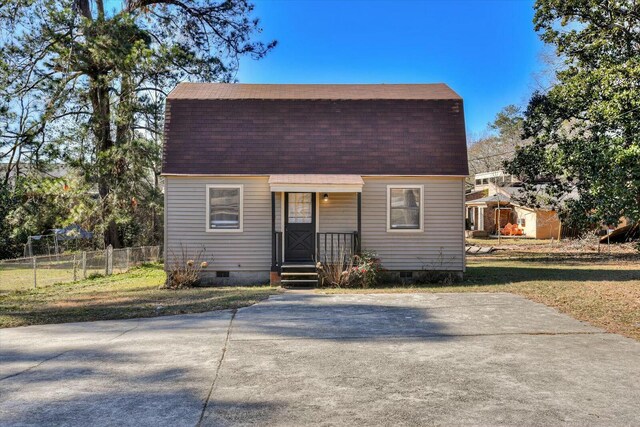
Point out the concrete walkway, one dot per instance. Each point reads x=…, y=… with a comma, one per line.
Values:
x=301, y=359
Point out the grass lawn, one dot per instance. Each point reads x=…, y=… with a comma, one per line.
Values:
x=518, y=241
x=21, y=277
x=602, y=291
x=121, y=296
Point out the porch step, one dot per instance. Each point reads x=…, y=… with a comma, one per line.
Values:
x=299, y=274
x=298, y=266
x=298, y=281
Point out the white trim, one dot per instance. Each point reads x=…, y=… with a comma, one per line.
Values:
x=317, y=188
x=208, y=228
x=422, y=208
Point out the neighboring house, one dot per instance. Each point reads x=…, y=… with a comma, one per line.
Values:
x=482, y=181
x=268, y=178
x=494, y=202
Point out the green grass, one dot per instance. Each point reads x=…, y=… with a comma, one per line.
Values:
x=15, y=277
x=120, y=296
x=602, y=291
x=20, y=278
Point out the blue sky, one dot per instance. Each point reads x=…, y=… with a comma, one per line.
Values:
x=486, y=51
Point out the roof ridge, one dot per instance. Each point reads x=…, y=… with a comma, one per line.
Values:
x=313, y=91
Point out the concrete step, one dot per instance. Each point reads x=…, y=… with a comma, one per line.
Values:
x=297, y=266
x=294, y=281
x=298, y=273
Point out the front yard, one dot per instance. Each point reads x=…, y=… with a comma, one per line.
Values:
x=604, y=291
x=121, y=296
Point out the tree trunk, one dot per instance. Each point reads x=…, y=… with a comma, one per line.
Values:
x=125, y=113
x=102, y=133
x=101, y=128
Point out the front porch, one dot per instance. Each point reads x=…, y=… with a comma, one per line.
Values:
x=314, y=218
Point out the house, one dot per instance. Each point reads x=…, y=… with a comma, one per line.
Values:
x=495, y=202
x=482, y=181
x=274, y=178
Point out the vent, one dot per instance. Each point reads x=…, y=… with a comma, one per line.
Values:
x=222, y=274
x=406, y=274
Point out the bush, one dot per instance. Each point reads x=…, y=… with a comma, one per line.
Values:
x=361, y=271
x=336, y=273
x=367, y=270
x=184, y=271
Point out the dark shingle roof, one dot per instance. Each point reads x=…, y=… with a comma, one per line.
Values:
x=216, y=129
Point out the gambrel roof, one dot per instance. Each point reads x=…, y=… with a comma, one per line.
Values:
x=247, y=129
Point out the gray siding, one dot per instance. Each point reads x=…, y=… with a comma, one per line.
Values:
x=249, y=250
x=439, y=247
x=339, y=213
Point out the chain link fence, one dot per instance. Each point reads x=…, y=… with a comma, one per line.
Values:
x=47, y=270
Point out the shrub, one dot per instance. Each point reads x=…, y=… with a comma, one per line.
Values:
x=184, y=271
x=367, y=270
x=362, y=271
x=337, y=272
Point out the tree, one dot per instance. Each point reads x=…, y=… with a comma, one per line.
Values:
x=46, y=202
x=87, y=80
x=490, y=152
x=586, y=128
x=8, y=202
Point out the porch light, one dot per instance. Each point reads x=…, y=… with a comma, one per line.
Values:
x=325, y=197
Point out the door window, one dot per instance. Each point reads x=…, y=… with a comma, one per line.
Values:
x=300, y=208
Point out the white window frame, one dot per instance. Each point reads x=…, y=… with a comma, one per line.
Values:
x=208, y=208
x=421, y=220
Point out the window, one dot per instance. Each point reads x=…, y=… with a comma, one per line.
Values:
x=224, y=207
x=300, y=206
x=222, y=274
x=404, y=208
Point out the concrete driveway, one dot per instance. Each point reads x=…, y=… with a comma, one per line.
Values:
x=296, y=359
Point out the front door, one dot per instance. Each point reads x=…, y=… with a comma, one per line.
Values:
x=299, y=227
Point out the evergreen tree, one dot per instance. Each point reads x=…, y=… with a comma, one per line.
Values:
x=85, y=85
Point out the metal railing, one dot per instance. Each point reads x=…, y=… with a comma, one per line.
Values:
x=39, y=271
x=276, y=251
x=336, y=247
